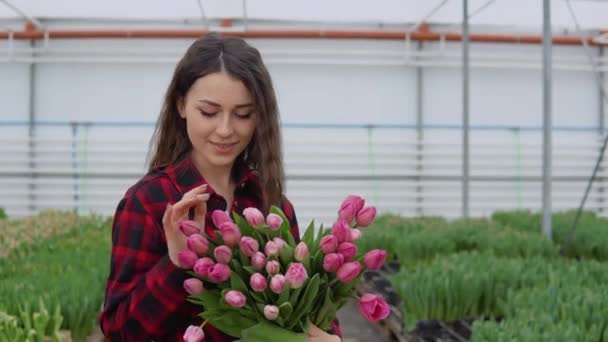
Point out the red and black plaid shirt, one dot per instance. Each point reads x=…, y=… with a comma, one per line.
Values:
x=145, y=299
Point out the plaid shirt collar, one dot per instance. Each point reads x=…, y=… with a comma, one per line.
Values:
x=186, y=176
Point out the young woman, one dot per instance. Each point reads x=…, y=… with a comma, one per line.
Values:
x=217, y=145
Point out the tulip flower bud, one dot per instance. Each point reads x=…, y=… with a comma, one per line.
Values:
x=219, y=273
x=257, y=282
x=301, y=251
x=350, y=207
x=271, y=249
x=194, y=333
x=258, y=260
x=349, y=271
x=202, y=266
x=223, y=254
x=355, y=234
x=328, y=244
x=189, y=227
x=347, y=249
x=193, y=286
x=277, y=283
x=219, y=217
x=186, y=259
x=274, y=221
x=254, y=216
x=249, y=245
x=198, y=244
x=230, y=233
x=236, y=299
x=271, y=312
x=373, y=307
x=374, y=259
x=341, y=230
x=273, y=267
x=366, y=216
x=332, y=262
x=296, y=275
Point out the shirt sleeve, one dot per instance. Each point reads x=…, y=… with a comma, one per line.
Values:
x=144, y=289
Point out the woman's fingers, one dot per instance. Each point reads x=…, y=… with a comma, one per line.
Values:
x=190, y=199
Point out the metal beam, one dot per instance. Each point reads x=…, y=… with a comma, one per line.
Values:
x=465, y=109
x=547, y=122
x=23, y=14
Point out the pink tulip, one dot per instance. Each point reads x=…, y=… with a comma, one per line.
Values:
x=349, y=271
x=350, y=207
x=236, y=299
x=271, y=249
x=348, y=250
x=273, y=267
x=277, y=283
x=328, y=244
x=271, y=312
x=280, y=242
x=203, y=265
x=301, y=251
x=223, y=254
x=374, y=259
x=198, y=244
x=258, y=260
x=332, y=262
x=219, y=217
x=186, y=259
x=230, y=233
x=219, y=273
x=257, y=282
x=296, y=275
x=254, y=216
x=193, y=286
x=194, y=334
x=189, y=227
x=274, y=221
x=373, y=307
x=341, y=230
x=355, y=234
x=249, y=245
x=366, y=216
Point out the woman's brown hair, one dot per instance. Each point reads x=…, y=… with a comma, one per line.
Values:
x=211, y=54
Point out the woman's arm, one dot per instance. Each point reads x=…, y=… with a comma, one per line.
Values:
x=144, y=289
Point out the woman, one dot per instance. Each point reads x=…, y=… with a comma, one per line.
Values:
x=217, y=145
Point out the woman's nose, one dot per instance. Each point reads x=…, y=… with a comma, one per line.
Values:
x=224, y=127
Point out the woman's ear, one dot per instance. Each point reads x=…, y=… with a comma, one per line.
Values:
x=181, y=107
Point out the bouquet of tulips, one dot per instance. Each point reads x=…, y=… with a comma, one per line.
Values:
x=254, y=282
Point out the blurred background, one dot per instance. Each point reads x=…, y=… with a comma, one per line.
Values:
x=461, y=121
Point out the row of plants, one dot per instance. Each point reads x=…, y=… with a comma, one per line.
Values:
x=18, y=235
x=502, y=272
x=65, y=269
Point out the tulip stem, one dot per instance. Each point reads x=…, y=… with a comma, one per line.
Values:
x=203, y=324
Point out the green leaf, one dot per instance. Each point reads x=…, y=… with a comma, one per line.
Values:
x=268, y=332
x=285, y=310
x=285, y=228
x=309, y=235
x=286, y=256
x=245, y=228
x=236, y=283
x=305, y=304
x=284, y=296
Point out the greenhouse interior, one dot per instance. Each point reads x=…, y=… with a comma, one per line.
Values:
x=444, y=160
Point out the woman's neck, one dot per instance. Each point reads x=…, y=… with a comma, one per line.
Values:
x=220, y=178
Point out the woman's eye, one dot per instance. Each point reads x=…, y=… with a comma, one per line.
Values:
x=207, y=113
x=244, y=116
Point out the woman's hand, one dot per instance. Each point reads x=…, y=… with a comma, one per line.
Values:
x=176, y=240
x=317, y=335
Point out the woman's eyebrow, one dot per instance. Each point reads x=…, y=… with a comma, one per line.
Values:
x=215, y=104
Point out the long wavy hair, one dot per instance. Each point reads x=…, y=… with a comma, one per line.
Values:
x=211, y=54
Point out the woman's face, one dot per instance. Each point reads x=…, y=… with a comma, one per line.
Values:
x=220, y=119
